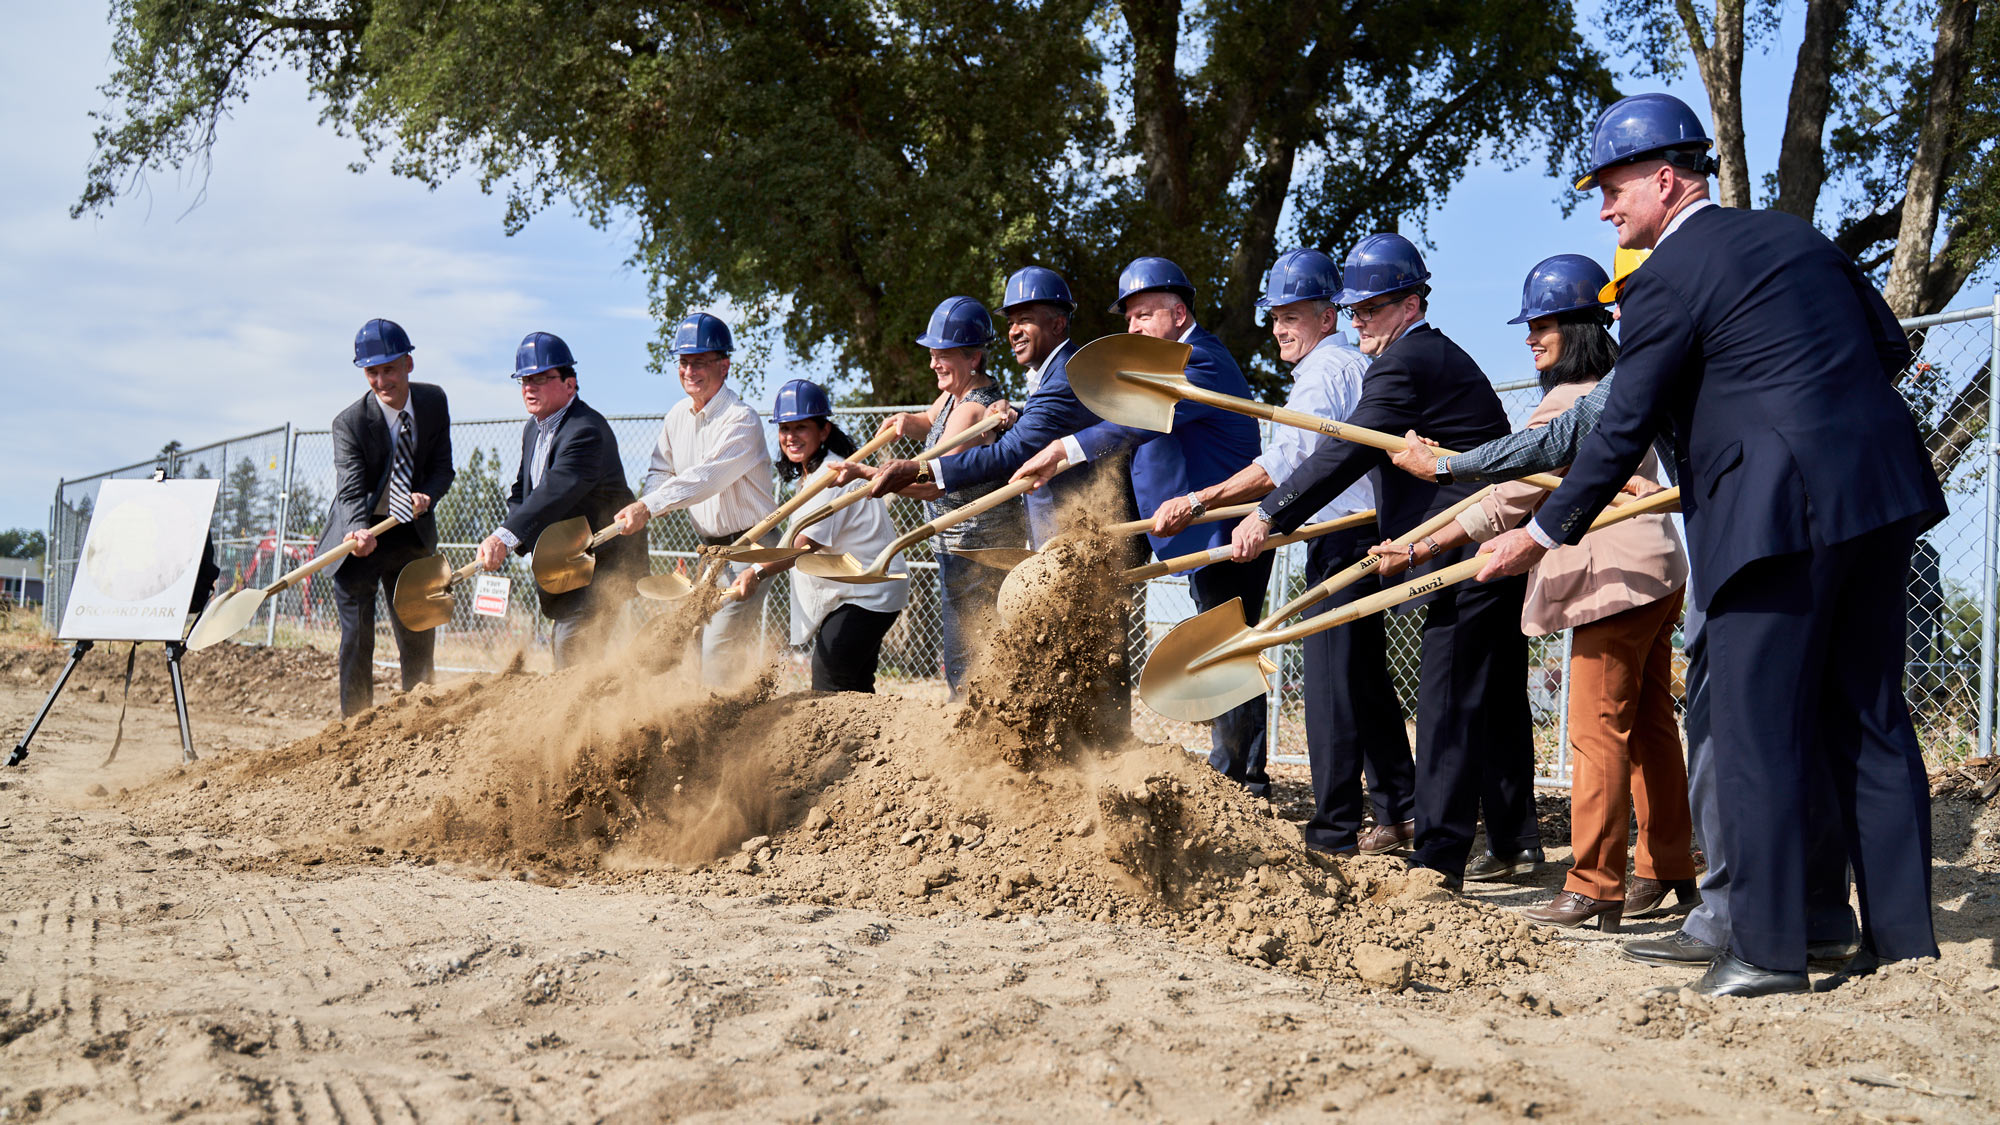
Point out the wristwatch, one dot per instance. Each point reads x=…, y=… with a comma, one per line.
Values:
x=1200, y=509
x=1443, y=472
x=923, y=472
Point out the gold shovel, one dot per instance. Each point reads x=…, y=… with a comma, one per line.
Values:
x=231, y=610
x=1007, y=558
x=563, y=559
x=672, y=586
x=1212, y=661
x=846, y=568
x=423, y=592
x=1136, y=380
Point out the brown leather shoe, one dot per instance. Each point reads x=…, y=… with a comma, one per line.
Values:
x=1647, y=898
x=1386, y=838
x=1570, y=910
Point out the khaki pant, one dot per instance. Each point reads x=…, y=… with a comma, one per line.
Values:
x=1625, y=752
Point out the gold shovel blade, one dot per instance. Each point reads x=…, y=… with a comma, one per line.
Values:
x=561, y=563
x=1169, y=688
x=1111, y=376
x=668, y=587
x=999, y=558
x=225, y=617
x=843, y=568
x=423, y=601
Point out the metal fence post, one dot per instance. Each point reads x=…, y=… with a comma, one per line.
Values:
x=278, y=537
x=48, y=563
x=1990, y=563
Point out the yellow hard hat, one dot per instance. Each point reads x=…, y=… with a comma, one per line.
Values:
x=1622, y=266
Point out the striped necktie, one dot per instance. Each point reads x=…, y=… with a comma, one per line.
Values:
x=399, y=477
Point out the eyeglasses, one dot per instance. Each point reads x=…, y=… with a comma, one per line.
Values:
x=537, y=379
x=1358, y=313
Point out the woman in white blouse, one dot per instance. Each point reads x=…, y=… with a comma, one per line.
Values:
x=845, y=621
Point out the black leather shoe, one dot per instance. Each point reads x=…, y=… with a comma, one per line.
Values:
x=1863, y=963
x=1677, y=948
x=1730, y=975
x=1491, y=868
x=1647, y=898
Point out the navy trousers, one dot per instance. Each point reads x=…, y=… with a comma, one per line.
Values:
x=1828, y=916
x=1237, y=736
x=1354, y=723
x=1474, y=745
x=1806, y=659
x=354, y=586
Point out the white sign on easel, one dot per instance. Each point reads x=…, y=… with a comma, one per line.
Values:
x=140, y=559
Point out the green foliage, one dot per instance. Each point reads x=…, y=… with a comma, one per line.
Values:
x=834, y=168
x=476, y=503
x=23, y=543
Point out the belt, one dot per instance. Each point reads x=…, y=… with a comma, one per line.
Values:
x=726, y=540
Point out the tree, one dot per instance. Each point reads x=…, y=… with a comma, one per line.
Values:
x=476, y=503
x=23, y=543
x=836, y=167
x=1914, y=129
x=240, y=510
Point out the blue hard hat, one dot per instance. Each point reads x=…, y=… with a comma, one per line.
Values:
x=539, y=352
x=1300, y=275
x=1379, y=264
x=700, y=333
x=1561, y=284
x=1033, y=284
x=1648, y=127
x=799, y=400
x=1151, y=273
x=379, y=342
x=958, y=322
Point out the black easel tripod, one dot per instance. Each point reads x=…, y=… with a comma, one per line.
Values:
x=175, y=650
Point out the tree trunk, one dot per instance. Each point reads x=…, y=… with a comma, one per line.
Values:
x=1721, y=65
x=1802, y=154
x=1950, y=68
x=1236, y=319
x=1159, y=107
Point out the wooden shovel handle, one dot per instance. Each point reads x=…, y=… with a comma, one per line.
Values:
x=810, y=489
x=320, y=563
x=957, y=516
x=1221, y=554
x=1362, y=568
x=858, y=495
x=1213, y=515
x=1457, y=572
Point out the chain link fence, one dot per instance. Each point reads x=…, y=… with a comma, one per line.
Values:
x=283, y=478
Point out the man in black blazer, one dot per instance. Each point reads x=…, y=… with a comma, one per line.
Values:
x=391, y=456
x=1804, y=484
x=569, y=467
x=1474, y=746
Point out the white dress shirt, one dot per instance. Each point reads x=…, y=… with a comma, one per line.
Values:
x=863, y=531
x=712, y=462
x=1535, y=531
x=1325, y=383
x=391, y=416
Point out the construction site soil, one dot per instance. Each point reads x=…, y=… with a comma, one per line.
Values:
x=612, y=893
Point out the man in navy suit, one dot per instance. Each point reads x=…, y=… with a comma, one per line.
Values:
x=569, y=467
x=1773, y=361
x=1206, y=446
x=1473, y=741
x=1037, y=305
x=391, y=456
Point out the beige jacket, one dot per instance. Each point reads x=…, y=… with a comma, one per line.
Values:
x=1634, y=563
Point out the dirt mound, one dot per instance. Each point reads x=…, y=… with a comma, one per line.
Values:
x=245, y=679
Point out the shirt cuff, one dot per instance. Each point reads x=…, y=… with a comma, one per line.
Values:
x=1536, y=533
x=1073, y=449
x=937, y=474
x=1443, y=470
x=512, y=540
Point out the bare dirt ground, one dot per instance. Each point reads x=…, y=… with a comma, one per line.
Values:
x=606, y=896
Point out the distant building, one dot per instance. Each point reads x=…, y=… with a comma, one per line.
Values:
x=21, y=581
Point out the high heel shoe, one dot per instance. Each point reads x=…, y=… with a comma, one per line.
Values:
x=1570, y=910
x=1647, y=898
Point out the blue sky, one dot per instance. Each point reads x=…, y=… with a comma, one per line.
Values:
x=164, y=321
